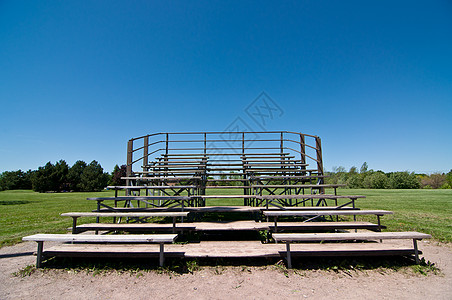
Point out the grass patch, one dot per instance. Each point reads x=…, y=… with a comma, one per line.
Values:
x=25, y=212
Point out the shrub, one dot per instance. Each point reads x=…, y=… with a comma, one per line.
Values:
x=403, y=180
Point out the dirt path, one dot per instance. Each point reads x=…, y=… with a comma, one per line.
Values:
x=225, y=282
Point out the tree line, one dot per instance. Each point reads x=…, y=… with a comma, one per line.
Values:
x=83, y=177
x=59, y=177
x=370, y=179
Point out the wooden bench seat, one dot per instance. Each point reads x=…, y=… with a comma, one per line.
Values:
x=314, y=214
x=231, y=249
x=286, y=177
x=226, y=226
x=65, y=238
x=319, y=237
x=153, y=178
x=144, y=199
x=139, y=214
x=304, y=186
x=150, y=187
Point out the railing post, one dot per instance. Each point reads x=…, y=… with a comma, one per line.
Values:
x=205, y=143
x=318, y=150
x=281, y=146
x=302, y=150
x=145, y=153
x=166, y=144
x=129, y=163
x=243, y=143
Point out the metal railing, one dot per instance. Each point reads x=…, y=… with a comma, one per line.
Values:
x=224, y=146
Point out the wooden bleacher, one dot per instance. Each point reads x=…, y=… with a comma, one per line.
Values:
x=192, y=176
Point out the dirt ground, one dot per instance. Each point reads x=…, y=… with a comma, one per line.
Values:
x=226, y=282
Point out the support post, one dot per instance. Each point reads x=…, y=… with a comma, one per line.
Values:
x=74, y=225
x=416, y=251
x=161, y=257
x=174, y=223
x=39, y=254
x=288, y=255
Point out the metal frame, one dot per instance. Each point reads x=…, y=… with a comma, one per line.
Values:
x=193, y=158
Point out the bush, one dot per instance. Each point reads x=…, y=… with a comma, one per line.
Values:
x=379, y=180
x=434, y=181
x=355, y=182
x=403, y=180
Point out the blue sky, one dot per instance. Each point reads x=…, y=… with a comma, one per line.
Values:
x=373, y=79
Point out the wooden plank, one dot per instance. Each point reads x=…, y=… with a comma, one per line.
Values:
x=272, y=213
x=200, y=209
x=254, y=177
x=127, y=238
x=145, y=198
x=161, y=178
x=303, y=208
x=309, y=196
x=318, y=237
x=225, y=249
x=151, y=187
x=126, y=214
x=225, y=196
x=305, y=186
x=225, y=226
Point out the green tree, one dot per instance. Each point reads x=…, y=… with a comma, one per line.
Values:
x=93, y=178
x=60, y=176
x=116, y=175
x=15, y=180
x=75, y=175
x=364, y=168
x=42, y=179
x=449, y=179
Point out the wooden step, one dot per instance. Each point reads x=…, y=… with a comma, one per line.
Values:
x=229, y=249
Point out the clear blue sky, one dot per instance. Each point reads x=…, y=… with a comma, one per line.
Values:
x=373, y=79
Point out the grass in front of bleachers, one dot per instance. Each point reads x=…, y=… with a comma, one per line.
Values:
x=26, y=212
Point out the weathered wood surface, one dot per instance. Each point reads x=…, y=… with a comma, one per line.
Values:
x=337, y=212
x=303, y=208
x=140, y=198
x=160, y=178
x=126, y=214
x=309, y=196
x=297, y=185
x=228, y=249
x=126, y=238
x=200, y=209
x=317, y=237
x=226, y=226
x=151, y=187
x=225, y=196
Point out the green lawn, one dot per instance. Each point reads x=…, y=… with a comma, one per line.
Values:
x=25, y=212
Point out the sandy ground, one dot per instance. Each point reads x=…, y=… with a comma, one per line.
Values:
x=225, y=282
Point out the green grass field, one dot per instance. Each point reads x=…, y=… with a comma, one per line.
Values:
x=25, y=212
